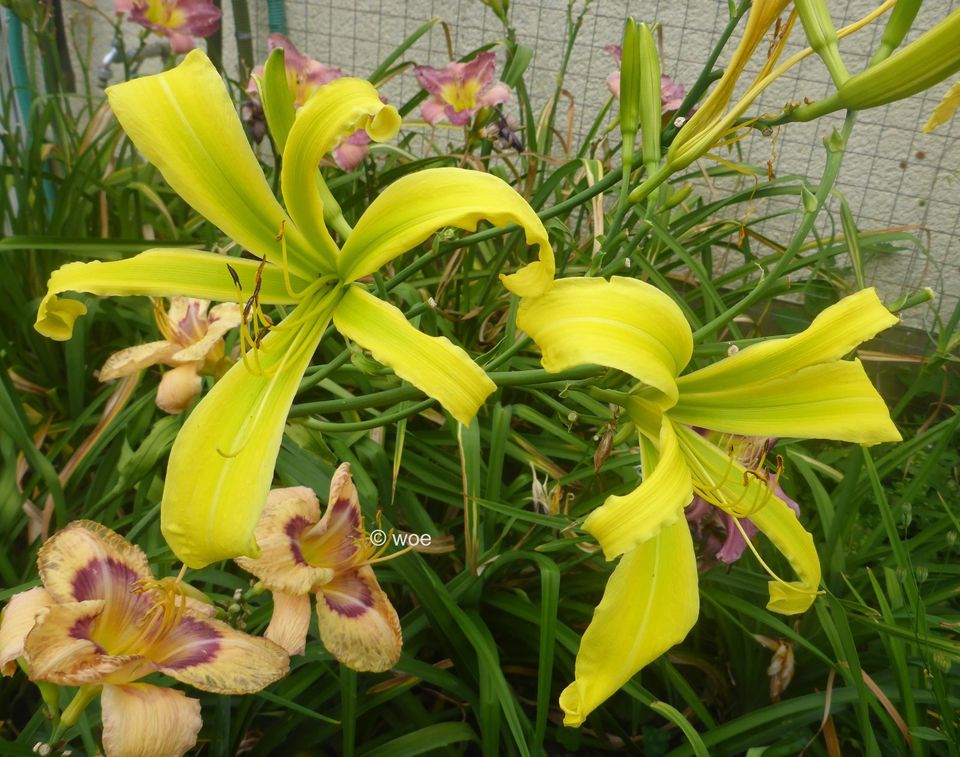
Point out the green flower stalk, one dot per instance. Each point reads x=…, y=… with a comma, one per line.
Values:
x=822, y=36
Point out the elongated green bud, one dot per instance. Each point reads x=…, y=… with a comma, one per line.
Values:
x=651, y=103
x=927, y=61
x=276, y=99
x=822, y=36
x=630, y=84
x=899, y=23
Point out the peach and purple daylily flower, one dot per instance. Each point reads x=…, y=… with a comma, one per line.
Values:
x=671, y=92
x=716, y=530
x=192, y=344
x=459, y=90
x=101, y=619
x=177, y=20
x=302, y=553
x=304, y=77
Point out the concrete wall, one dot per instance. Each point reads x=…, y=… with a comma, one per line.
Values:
x=893, y=175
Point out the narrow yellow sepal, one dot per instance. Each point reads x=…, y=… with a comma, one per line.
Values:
x=433, y=364
x=832, y=334
x=945, y=109
x=164, y=272
x=336, y=110
x=414, y=207
x=624, y=522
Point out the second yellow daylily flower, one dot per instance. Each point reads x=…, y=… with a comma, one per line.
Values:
x=797, y=386
x=184, y=122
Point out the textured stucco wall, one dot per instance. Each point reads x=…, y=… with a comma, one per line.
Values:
x=894, y=175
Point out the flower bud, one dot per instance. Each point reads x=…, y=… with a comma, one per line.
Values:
x=630, y=85
x=651, y=103
x=899, y=23
x=928, y=60
x=822, y=36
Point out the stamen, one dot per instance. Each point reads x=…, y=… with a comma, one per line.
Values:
x=760, y=560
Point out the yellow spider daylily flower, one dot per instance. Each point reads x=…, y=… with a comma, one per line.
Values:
x=332, y=557
x=796, y=387
x=184, y=122
x=101, y=619
x=192, y=344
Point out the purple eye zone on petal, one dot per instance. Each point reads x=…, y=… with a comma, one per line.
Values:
x=198, y=643
x=99, y=578
x=350, y=598
x=293, y=529
x=83, y=629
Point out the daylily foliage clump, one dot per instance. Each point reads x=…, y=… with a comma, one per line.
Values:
x=502, y=344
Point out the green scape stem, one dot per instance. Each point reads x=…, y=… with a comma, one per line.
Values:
x=836, y=146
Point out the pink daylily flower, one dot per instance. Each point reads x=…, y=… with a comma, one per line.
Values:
x=178, y=20
x=671, y=92
x=304, y=77
x=716, y=530
x=459, y=90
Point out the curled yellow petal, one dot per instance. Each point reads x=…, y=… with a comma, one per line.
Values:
x=157, y=273
x=832, y=334
x=622, y=323
x=624, y=522
x=414, y=207
x=184, y=122
x=650, y=603
x=830, y=401
x=337, y=110
x=17, y=620
x=433, y=364
x=723, y=482
x=944, y=110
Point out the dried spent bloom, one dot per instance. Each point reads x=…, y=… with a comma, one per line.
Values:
x=459, y=90
x=671, y=92
x=192, y=344
x=101, y=619
x=177, y=20
x=304, y=554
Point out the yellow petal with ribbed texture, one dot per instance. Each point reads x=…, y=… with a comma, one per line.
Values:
x=336, y=110
x=142, y=720
x=624, y=522
x=416, y=206
x=622, y=323
x=650, y=603
x=832, y=334
x=725, y=483
x=830, y=401
x=221, y=464
x=185, y=123
x=157, y=273
x=433, y=364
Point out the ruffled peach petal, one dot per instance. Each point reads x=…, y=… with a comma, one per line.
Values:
x=497, y=94
x=222, y=318
x=336, y=538
x=133, y=359
x=59, y=647
x=141, y=720
x=212, y=656
x=178, y=388
x=19, y=618
x=281, y=565
x=88, y=561
x=358, y=625
x=290, y=622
